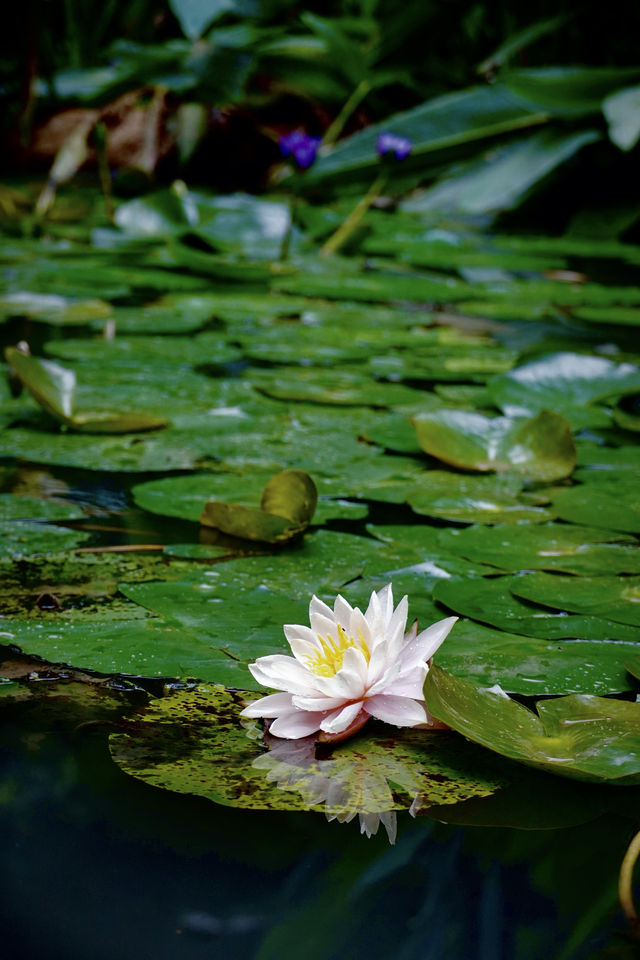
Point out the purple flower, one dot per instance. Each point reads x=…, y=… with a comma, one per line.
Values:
x=301, y=147
x=400, y=147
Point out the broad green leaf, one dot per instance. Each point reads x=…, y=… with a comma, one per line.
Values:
x=633, y=666
x=30, y=508
x=616, y=598
x=473, y=499
x=23, y=538
x=617, y=316
x=534, y=667
x=568, y=91
x=54, y=309
x=548, y=546
x=491, y=601
x=291, y=494
x=203, y=348
x=195, y=742
x=604, y=502
x=582, y=737
x=247, y=523
x=563, y=382
x=51, y=386
x=540, y=448
x=453, y=120
x=195, y=16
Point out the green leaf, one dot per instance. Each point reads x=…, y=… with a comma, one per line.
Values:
x=568, y=91
x=291, y=494
x=548, y=546
x=582, y=737
x=616, y=598
x=54, y=309
x=195, y=742
x=606, y=502
x=530, y=666
x=491, y=601
x=540, y=448
x=24, y=538
x=195, y=16
x=50, y=385
x=563, y=382
x=633, y=666
x=472, y=499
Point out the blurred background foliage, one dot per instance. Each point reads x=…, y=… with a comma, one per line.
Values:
x=506, y=106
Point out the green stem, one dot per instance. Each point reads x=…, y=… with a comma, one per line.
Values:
x=625, y=884
x=334, y=130
x=344, y=231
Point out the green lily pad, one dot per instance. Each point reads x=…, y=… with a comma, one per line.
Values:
x=53, y=309
x=340, y=387
x=582, y=737
x=618, y=316
x=540, y=448
x=608, y=503
x=615, y=598
x=30, y=508
x=562, y=547
x=473, y=499
x=287, y=505
x=54, y=388
x=564, y=382
x=594, y=459
x=633, y=666
x=195, y=742
x=533, y=667
x=490, y=600
x=203, y=348
x=23, y=538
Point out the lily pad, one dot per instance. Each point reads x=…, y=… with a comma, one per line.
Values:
x=287, y=505
x=54, y=309
x=491, y=601
x=533, y=667
x=30, y=508
x=582, y=737
x=472, y=499
x=555, y=546
x=564, y=382
x=608, y=503
x=203, y=348
x=540, y=448
x=195, y=742
x=633, y=666
x=616, y=598
x=23, y=538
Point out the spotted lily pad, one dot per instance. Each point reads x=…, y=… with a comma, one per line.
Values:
x=195, y=742
x=540, y=448
x=581, y=737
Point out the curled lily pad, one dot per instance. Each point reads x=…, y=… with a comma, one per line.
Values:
x=633, y=666
x=582, y=737
x=195, y=742
x=54, y=388
x=540, y=448
x=287, y=505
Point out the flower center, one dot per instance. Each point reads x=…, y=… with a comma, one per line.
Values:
x=328, y=660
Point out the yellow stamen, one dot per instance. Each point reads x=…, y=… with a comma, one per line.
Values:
x=328, y=660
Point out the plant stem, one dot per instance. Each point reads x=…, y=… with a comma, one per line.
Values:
x=347, y=227
x=334, y=129
x=625, y=884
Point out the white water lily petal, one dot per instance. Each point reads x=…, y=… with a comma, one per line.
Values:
x=347, y=666
x=295, y=725
x=400, y=711
x=339, y=720
x=271, y=706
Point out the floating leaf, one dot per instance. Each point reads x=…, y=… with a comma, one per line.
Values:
x=491, y=601
x=195, y=742
x=54, y=309
x=609, y=503
x=615, y=598
x=540, y=448
x=555, y=546
x=287, y=505
x=471, y=499
x=531, y=666
x=633, y=666
x=582, y=737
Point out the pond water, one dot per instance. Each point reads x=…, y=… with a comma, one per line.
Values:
x=467, y=407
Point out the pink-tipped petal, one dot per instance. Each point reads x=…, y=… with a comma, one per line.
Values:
x=399, y=711
x=271, y=706
x=339, y=720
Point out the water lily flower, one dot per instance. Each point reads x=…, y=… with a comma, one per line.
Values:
x=301, y=147
x=399, y=146
x=346, y=667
